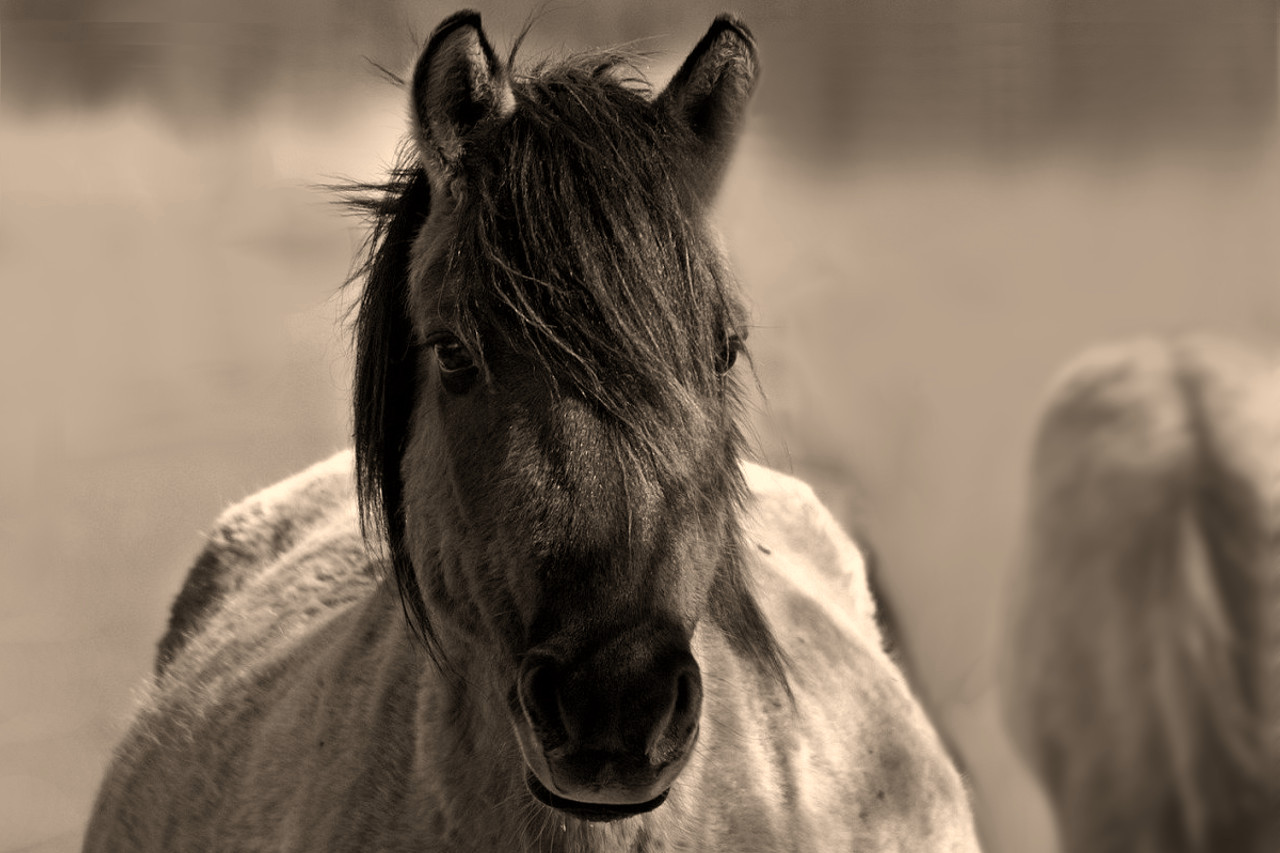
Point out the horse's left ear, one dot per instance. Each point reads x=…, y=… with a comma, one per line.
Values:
x=709, y=93
x=459, y=85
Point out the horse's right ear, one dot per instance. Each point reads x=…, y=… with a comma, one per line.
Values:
x=458, y=86
x=710, y=92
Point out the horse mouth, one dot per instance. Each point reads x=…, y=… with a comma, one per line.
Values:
x=595, y=812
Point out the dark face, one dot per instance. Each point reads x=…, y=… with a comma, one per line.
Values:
x=570, y=474
x=572, y=553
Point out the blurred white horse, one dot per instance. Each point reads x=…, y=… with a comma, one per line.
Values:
x=619, y=636
x=1144, y=685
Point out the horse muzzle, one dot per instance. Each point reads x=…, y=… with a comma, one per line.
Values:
x=605, y=737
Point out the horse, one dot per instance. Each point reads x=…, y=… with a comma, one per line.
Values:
x=1143, y=683
x=544, y=603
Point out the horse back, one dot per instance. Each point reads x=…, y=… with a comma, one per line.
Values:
x=1143, y=684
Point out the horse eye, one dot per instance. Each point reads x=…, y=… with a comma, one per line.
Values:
x=728, y=354
x=457, y=369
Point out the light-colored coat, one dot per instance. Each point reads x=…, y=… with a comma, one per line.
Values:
x=301, y=715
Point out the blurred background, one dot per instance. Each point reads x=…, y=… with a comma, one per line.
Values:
x=936, y=204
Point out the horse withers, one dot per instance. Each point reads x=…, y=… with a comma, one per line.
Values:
x=1144, y=686
x=544, y=605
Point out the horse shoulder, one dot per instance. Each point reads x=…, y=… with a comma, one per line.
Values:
x=276, y=675
x=300, y=746
x=863, y=768
x=788, y=523
x=247, y=537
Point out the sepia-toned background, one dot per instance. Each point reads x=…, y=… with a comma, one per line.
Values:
x=936, y=204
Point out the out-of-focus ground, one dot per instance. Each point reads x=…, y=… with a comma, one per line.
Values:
x=933, y=209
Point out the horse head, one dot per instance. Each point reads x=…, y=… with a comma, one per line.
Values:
x=546, y=411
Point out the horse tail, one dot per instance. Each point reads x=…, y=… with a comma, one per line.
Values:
x=1144, y=685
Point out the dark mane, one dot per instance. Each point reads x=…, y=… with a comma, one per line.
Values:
x=586, y=246
x=384, y=361
x=581, y=243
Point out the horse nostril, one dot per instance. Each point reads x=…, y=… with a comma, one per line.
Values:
x=671, y=736
x=688, y=697
x=589, y=719
x=540, y=699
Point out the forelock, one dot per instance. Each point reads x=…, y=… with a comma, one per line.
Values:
x=581, y=241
